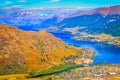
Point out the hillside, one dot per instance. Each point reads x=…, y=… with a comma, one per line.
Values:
x=90, y=23
x=109, y=10
x=22, y=51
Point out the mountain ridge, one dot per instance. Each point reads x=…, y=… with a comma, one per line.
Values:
x=36, y=20
x=21, y=51
x=109, y=10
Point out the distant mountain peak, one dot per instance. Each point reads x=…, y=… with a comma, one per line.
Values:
x=103, y=10
x=107, y=10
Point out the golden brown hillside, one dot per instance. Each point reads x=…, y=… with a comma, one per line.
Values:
x=25, y=51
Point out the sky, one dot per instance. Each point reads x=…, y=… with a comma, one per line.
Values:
x=57, y=3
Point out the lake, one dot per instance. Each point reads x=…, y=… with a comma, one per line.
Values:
x=104, y=52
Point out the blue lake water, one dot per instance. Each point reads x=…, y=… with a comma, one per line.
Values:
x=104, y=52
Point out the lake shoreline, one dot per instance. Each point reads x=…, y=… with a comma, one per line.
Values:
x=102, y=49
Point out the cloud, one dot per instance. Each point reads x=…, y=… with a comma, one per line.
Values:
x=54, y=0
x=8, y=2
x=14, y=6
x=22, y=1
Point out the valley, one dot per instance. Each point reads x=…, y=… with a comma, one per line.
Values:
x=60, y=43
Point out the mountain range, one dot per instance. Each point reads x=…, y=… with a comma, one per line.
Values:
x=32, y=19
x=52, y=20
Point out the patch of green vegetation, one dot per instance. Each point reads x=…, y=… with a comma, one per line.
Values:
x=41, y=44
x=6, y=77
x=56, y=69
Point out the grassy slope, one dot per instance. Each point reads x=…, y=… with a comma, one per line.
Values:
x=4, y=77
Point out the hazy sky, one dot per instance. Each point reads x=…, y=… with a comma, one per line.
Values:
x=57, y=3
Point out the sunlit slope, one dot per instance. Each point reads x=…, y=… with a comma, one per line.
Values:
x=22, y=51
